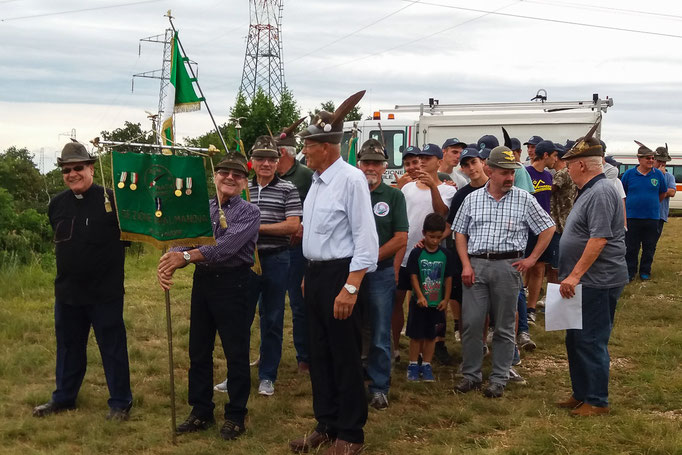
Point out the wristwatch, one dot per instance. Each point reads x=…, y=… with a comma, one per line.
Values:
x=185, y=254
x=352, y=290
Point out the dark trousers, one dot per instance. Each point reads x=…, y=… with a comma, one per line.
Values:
x=587, y=349
x=339, y=400
x=644, y=233
x=300, y=328
x=221, y=302
x=72, y=328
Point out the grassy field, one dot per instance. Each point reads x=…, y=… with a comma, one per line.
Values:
x=646, y=383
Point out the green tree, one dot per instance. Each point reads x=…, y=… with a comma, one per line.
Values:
x=20, y=176
x=329, y=106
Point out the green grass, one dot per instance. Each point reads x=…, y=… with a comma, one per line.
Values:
x=646, y=383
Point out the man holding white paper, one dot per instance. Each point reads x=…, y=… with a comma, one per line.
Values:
x=591, y=253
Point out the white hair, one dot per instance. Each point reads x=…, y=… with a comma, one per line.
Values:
x=289, y=149
x=593, y=163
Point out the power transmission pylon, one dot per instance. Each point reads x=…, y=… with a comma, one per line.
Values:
x=263, y=66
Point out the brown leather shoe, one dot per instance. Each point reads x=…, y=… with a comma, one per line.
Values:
x=341, y=447
x=308, y=442
x=571, y=403
x=587, y=410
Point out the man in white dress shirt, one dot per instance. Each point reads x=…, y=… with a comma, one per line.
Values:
x=341, y=244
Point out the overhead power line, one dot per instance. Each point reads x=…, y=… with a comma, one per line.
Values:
x=58, y=13
x=544, y=19
x=364, y=27
x=605, y=8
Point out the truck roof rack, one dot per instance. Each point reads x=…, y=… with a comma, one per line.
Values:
x=548, y=106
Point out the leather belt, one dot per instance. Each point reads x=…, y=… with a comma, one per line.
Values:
x=498, y=256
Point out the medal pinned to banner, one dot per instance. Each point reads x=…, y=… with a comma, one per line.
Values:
x=153, y=208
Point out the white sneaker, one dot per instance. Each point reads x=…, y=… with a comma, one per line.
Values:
x=266, y=388
x=540, y=304
x=516, y=378
x=256, y=362
x=222, y=387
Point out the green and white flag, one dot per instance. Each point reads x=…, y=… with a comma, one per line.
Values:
x=180, y=95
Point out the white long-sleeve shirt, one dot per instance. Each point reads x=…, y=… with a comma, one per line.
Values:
x=338, y=221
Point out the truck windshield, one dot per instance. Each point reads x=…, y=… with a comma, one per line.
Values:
x=395, y=143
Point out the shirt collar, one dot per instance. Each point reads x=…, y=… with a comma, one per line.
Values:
x=274, y=181
x=230, y=202
x=380, y=189
x=590, y=184
x=328, y=175
x=485, y=188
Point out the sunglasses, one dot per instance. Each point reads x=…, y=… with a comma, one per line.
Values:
x=67, y=170
x=236, y=175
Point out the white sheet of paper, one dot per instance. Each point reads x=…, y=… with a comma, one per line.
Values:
x=561, y=313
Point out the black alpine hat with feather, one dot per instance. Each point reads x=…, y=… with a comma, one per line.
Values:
x=287, y=137
x=328, y=127
x=643, y=150
x=587, y=145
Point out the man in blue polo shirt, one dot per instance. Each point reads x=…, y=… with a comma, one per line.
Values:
x=644, y=189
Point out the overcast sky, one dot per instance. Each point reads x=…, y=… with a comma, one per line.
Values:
x=73, y=70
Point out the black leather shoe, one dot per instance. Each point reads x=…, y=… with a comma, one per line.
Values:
x=51, y=408
x=231, y=430
x=494, y=390
x=194, y=423
x=120, y=414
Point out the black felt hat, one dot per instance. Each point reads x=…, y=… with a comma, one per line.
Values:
x=287, y=137
x=587, y=145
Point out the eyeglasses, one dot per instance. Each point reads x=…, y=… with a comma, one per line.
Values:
x=67, y=170
x=648, y=158
x=236, y=175
x=307, y=146
x=265, y=160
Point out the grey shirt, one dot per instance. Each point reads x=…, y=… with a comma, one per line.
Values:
x=596, y=213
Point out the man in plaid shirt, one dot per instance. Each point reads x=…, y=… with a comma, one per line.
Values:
x=491, y=230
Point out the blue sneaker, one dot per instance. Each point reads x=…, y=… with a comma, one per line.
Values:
x=413, y=372
x=644, y=277
x=427, y=373
x=516, y=360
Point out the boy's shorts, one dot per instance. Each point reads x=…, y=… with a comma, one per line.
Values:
x=546, y=255
x=424, y=323
x=404, y=283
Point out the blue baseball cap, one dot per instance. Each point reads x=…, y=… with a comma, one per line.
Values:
x=603, y=145
x=547, y=147
x=432, y=150
x=453, y=142
x=560, y=148
x=412, y=150
x=612, y=161
x=469, y=153
x=534, y=140
x=515, y=144
x=484, y=153
x=472, y=146
x=488, y=141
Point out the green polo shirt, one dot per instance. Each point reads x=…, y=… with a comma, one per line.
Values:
x=301, y=176
x=390, y=212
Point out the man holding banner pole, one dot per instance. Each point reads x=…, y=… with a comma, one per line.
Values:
x=220, y=301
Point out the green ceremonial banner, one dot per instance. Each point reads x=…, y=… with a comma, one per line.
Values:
x=162, y=199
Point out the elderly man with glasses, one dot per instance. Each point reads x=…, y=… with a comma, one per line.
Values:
x=645, y=188
x=221, y=301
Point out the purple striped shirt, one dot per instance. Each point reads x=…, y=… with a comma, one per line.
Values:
x=234, y=244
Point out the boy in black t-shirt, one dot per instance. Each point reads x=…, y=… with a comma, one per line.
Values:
x=430, y=270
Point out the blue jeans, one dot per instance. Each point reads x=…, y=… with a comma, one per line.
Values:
x=523, y=312
x=271, y=288
x=298, y=314
x=376, y=294
x=587, y=349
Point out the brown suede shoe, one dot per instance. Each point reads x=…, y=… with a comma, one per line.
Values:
x=308, y=442
x=341, y=447
x=571, y=403
x=587, y=410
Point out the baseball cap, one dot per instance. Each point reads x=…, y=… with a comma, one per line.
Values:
x=488, y=141
x=485, y=153
x=452, y=142
x=432, y=150
x=469, y=153
x=612, y=161
x=502, y=157
x=546, y=147
x=515, y=144
x=534, y=140
x=412, y=150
